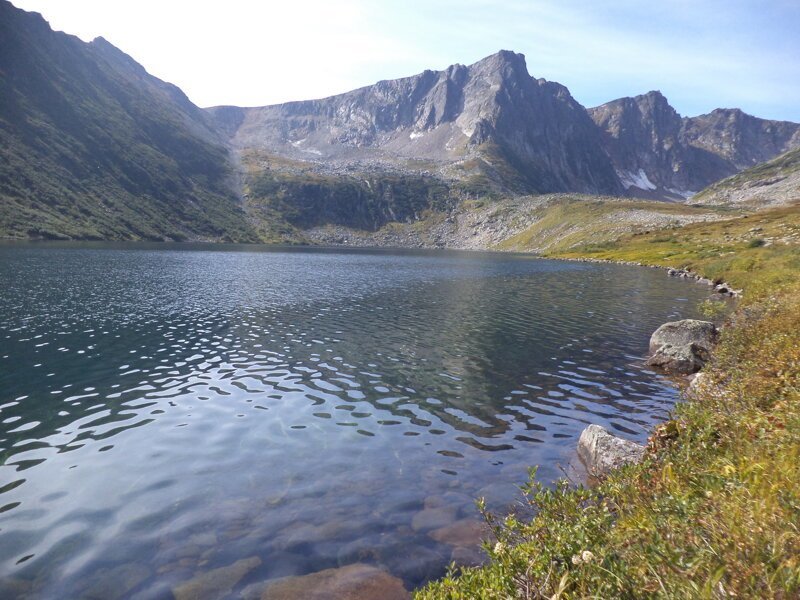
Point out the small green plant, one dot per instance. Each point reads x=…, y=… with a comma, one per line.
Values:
x=712, y=309
x=756, y=243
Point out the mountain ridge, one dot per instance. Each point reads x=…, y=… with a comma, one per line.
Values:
x=94, y=147
x=639, y=146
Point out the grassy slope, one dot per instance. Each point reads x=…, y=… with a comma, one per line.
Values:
x=91, y=146
x=756, y=252
x=714, y=510
x=572, y=220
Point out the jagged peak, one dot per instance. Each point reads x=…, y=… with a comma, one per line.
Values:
x=503, y=59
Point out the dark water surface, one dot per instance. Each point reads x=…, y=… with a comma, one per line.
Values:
x=165, y=411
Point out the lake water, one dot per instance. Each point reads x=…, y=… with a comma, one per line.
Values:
x=170, y=410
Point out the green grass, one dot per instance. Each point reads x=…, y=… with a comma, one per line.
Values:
x=714, y=510
x=755, y=252
x=571, y=221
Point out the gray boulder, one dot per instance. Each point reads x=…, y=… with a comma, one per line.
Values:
x=679, y=360
x=603, y=452
x=687, y=331
x=682, y=347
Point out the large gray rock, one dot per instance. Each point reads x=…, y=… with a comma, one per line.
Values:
x=679, y=360
x=603, y=452
x=687, y=331
x=682, y=347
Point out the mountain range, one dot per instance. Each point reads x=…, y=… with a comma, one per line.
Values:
x=92, y=146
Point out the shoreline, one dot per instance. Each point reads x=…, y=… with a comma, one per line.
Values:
x=713, y=486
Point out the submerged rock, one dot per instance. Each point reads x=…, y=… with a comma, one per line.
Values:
x=682, y=347
x=468, y=556
x=217, y=583
x=465, y=532
x=434, y=518
x=353, y=582
x=115, y=582
x=603, y=452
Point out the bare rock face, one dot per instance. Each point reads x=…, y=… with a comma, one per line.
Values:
x=682, y=347
x=353, y=582
x=659, y=154
x=603, y=452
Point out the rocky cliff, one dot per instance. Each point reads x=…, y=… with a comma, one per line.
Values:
x=659, y=154
x=487, y=121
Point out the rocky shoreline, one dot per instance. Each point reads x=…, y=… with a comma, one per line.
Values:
x=677, y=348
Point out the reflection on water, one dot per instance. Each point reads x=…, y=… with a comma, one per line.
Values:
x=165, y=412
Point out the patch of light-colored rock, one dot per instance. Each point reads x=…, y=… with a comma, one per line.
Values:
x=640, y=180
x=683, y=193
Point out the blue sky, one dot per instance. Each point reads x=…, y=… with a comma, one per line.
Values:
x=700, y=54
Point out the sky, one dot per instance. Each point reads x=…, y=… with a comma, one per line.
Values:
x=700, y=54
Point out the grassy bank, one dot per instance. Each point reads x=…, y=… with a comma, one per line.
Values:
x=714, y=510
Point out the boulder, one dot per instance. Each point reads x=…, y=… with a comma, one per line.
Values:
x=603, y=452
x=353, y=582
x=687, y=331
x=679, y=360
x=682, y=347
x=700, y=384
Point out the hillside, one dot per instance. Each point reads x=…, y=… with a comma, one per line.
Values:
x=775, y=182
x=93, y=147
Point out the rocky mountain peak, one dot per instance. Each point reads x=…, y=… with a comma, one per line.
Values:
x=504, y=64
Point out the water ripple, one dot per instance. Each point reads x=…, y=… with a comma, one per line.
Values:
x=180, y=409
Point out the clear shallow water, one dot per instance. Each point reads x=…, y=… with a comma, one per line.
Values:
x=165, y=411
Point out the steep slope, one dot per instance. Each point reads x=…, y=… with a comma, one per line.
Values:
x=659, y=154
x=773, y=183
x=92, y=146
x=489, y=123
